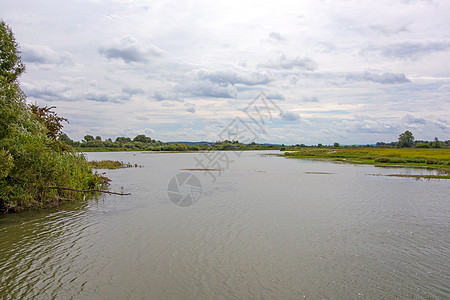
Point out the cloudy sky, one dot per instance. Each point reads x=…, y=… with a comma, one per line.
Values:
x=337, y=71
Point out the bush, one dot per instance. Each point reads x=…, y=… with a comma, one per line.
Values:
x=383, y=159
x=423, y=145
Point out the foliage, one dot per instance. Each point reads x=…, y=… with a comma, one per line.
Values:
x=430, y=158
x=49, y=118
x=31, y=159
x=88, y=138
x=405, y=139
x=109, y=164
x=142, y=138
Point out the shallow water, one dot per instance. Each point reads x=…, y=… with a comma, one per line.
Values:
x=267, y=227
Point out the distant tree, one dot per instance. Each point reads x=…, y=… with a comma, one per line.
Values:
x=319, y=145
x=98, y=138
x=406, y=139
x=142, y=138
x=336, y=145
x=67, y=140
x=88, y=138
x=122, y=139
x=437, y=143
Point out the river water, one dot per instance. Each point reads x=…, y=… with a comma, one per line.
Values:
x=267, y=228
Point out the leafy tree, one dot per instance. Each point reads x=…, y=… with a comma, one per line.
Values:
x=98, y=138
x=88, y=138
x=31, y=159
x=405, y=139
x=437, y=143
x=142, y=138
x=122, y=139
x=11, y=66
x=336, y=145
x=49, y=118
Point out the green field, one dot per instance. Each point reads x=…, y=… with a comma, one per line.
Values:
x=438, y=159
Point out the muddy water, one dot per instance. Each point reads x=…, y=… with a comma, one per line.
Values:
x=267, y=228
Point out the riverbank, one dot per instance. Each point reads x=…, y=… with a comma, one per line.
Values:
x=436, y=159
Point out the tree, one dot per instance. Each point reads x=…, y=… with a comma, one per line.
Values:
x=98, y=138
x=88, y=138
x=122, y=139
x=406, y=139
x=142, y=138
x=31, y=159
x=336, y=145
x=11, y=66
x=49, y=119
x=437, y=143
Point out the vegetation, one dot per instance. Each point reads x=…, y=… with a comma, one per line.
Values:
x=31, y=158
x=145, y=143
x=405, y=139
x=417, y=157
x=109, y=164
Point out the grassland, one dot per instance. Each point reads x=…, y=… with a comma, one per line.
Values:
x=438, y=159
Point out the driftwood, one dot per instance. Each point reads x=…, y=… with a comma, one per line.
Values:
x=87, y=191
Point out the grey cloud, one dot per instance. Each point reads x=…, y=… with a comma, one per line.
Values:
x=50, y=93
x=442, y=124
x=44, y=55
x=290, y=116
x=206, y=89
x=309, y=99
x=385, y=78
x=224, y=77
x=129, y=50
x=276, y=96
x=103, y=97
x=364, y=124
x=276, y=36
x=160, y=97
x=190, y=107
x=410, y=119
x=305, y=63
x=408, y=50
x=132, y=91
x=390, y=30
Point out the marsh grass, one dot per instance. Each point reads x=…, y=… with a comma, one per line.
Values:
x=417, y=157
x=110, y=164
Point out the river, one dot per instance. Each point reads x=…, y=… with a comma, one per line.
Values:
x=264, y=227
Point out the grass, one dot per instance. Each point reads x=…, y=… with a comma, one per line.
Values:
x=109, y=164
x=409, y=157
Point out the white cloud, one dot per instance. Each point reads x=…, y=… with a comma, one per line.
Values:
x=290, y=116
x=129, y=50
x=154, y=63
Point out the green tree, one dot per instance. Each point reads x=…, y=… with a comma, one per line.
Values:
x=31, y=159
x=88, y=138
x=437, y=143
x=406, y=139
x=122, y=139
x=142, y=138
x=49, y=118
x=336, y=145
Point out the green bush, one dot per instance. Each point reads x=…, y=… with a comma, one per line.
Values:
x=383, y=159
x=422, y=145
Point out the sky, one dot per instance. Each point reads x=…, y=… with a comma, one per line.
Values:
x=353, y=72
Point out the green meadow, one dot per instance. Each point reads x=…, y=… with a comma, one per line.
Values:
x=438, y=159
